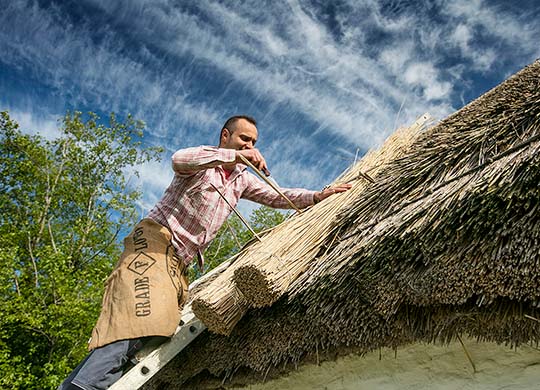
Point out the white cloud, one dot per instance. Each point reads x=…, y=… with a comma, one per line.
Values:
x=153, y=177
x=426, y=76
x=479, y=20
x=396, y=57
x=284, y=79
x=65, y=57
x=347, y=88
x=461, y=36
x=297, y=62
x=45, y=125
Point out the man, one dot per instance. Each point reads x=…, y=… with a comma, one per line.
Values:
x=146, y=291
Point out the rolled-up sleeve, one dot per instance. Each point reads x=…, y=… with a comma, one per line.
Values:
x=191, y=160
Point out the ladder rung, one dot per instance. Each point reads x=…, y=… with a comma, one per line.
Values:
x=157, y=359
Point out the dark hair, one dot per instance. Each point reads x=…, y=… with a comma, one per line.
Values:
x=230, y=124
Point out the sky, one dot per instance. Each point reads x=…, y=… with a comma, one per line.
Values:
x=326, y=80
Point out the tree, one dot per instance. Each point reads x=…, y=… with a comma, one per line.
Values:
x=63, y=204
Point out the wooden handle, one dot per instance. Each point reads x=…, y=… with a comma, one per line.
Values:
x=249, y=164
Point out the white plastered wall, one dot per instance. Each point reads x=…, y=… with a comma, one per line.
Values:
x=421, y=366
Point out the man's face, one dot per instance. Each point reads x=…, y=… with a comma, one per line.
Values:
x=244, y=137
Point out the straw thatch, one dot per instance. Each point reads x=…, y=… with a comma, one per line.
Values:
x=445, y=242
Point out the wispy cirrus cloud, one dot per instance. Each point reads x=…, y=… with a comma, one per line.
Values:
x=101, y=74
x=324, y=79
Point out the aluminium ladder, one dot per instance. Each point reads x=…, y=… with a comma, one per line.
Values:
x=148, y=366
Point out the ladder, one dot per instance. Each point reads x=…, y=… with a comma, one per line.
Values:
x=154, y=359
x=150, y=364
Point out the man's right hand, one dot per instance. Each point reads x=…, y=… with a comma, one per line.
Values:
x=255, y=157
x=327, y=192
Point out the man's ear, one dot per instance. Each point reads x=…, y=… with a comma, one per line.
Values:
x=225, y=134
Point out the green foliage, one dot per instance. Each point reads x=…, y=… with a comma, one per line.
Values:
x=63, y=203
x=233, y=235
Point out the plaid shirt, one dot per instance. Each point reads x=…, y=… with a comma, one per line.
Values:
x=192, y=209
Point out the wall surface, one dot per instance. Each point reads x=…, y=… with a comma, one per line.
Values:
x=421, y=366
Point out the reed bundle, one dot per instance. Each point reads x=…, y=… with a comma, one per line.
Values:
x=266, y=270
x=434, y=250
x=220, y=305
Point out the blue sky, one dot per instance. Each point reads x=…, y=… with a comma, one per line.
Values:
x=325, y=79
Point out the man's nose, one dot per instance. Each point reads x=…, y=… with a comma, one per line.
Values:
x=248, y=145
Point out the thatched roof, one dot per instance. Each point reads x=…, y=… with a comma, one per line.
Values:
x=445, y=242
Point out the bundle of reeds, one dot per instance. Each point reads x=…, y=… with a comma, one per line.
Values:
x=466, y=238
x=267, y=269
x=220, y=305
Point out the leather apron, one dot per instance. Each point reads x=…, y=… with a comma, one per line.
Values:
x=146, y=291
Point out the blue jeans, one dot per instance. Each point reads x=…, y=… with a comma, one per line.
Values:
x=103, y=366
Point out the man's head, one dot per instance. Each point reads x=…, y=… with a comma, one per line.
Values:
x=239, y=132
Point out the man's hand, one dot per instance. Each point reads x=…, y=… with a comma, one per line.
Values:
x=321, y=195
x=255, y=157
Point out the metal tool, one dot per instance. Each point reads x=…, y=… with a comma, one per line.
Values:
x=244, y=221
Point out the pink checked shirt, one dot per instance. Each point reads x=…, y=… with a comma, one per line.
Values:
x=192, y=209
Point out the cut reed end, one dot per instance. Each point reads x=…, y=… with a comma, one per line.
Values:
x=255, y=286
x=204, y=312
x=220, y=317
